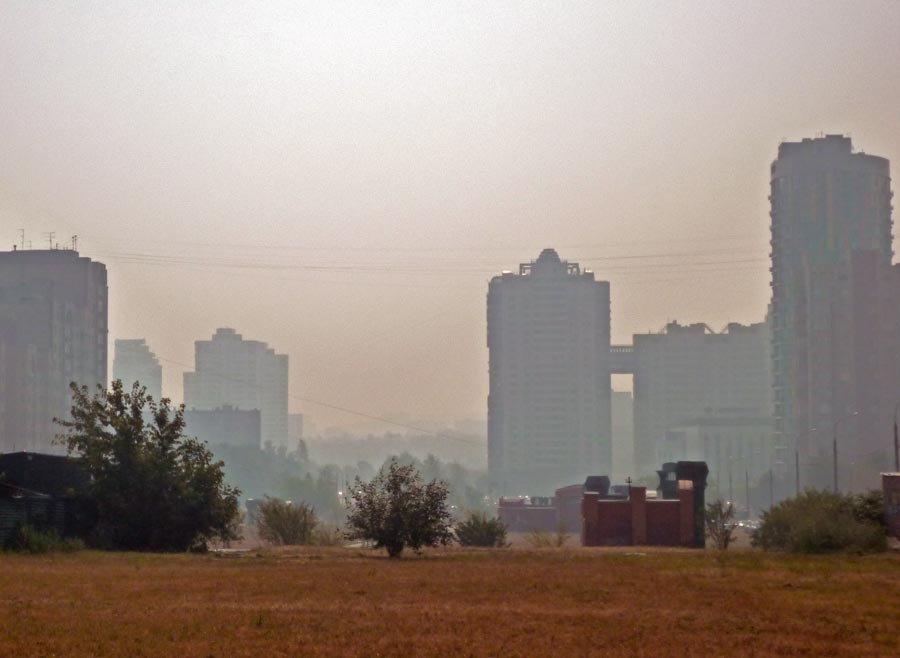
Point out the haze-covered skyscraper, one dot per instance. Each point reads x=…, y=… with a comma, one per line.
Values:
x=831, y=257
x=244, y=374
x=134, y=362
x=702, y=395
x=549, y=403
x=53, y=331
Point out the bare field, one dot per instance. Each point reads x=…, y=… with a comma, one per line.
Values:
x=514, y=602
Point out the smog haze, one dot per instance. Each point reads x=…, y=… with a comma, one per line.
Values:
x=341, y=180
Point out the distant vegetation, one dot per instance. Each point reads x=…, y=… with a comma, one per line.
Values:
x=544, y=539
x=152, y=488
x=479, y=529
x=824, y=522
x=285, y=523
x=28, y=539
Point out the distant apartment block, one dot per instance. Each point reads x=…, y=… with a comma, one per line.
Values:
x=703, y=396
x=244, y=374
x=225, y=426
x=833, y=306
x=622, y=435
x=134, y=362
x=295, y=429
x=53, y=331
x=549, y=401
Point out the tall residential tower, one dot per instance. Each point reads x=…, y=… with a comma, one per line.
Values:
x=244, y=374
x=53, y=331
x=134, y=362
x=549, y=405
x=831, y=258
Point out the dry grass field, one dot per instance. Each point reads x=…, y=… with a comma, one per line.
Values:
x=513, y=602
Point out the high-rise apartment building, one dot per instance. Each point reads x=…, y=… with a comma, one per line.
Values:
x=689, y=377
x=53, y=331
x=549, y=402
x=134, y=362
x=831, y=257
x=244, y=374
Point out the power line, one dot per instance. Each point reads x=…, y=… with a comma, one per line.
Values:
x=343, y=409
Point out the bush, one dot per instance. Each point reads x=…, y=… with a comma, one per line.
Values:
x=397, y=509
x=544, y=539
x=285, y=523
x=327, y=535
x=480, y=530
x=823, y=522
x=28, y=539
x=720, y=523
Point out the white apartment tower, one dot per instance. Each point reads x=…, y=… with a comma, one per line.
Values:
x=244, y=374
x=134, y=362
x=549, y=404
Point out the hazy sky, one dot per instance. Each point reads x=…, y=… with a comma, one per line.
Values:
x=342, y=179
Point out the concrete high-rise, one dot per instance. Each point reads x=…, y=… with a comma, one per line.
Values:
x=549, y=404
x=134, y=362
x=244, y=374
x=831, y=257
x=53, y=331
x=688, y=378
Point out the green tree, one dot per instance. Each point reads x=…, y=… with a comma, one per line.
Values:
x=720, y=523
x=396, y=509
x=479, y=529
x=152, y=487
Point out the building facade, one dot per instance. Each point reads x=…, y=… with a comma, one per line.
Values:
x=622, y=435
x=688, y=376
x=549, y=403
x=134, y=362
x=53, y=331
x=831, y=277
x=245, y=374
x=225, y=426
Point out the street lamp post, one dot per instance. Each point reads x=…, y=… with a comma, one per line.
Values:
x=834, y=447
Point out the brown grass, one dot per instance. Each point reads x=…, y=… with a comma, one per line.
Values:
x=515, y=602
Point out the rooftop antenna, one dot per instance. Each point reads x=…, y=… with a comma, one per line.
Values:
x=22, y=235
x=74, y=243
x=50, y=235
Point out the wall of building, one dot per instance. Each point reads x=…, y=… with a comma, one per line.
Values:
x=831, y=254
x=686, y=374
x=134, y=362
x=243, y=374
x=225, y=426
x=549, y=404
x=53, y=331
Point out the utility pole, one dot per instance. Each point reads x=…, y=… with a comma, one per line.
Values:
x=771, y=489
x=834, y=460
x=730, y=486
x=896, y=442
x=807, y=433
x=747, y=490
x=896, y=450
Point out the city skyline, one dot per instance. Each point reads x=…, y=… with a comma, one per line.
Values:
x=345, y=193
